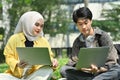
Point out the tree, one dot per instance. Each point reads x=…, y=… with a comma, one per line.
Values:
x=55, y=17
x=5, y=20
x=112, y=21
x=0, y=9
x=86, y=3
x=56, y=20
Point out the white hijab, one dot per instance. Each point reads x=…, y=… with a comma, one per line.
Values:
x=26, y=23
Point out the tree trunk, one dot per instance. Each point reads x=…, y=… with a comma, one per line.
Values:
x=6, y=20
x=86, y=3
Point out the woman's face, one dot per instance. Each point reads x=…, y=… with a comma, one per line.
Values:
x=38, y=27
x=84, y=26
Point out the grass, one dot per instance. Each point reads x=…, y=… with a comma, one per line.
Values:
x=61, y=61
x=3, y=67
x=56, y=75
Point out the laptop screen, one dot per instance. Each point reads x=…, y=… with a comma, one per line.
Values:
x=34, y=55
x=88, y=56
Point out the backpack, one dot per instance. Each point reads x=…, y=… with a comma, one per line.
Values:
x=117, y=46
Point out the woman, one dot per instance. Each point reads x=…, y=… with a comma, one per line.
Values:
x=28, y=33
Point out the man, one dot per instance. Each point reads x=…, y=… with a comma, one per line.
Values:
x=91, y=37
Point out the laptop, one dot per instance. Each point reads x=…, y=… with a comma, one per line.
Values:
x=34, y=55
x=88, y=56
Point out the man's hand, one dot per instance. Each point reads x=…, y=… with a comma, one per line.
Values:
x=102, y=69
x=94, y=69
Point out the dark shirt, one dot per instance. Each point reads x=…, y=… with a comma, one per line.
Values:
x=28, y=43
x=100, y=38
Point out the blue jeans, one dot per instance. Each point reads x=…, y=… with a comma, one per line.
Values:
x=72, y=74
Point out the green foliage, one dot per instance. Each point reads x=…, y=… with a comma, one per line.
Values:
x=3, y=67
x=0, y=9
x=112, y=22
x=61, y=61
x=17, y=9
x=53, y=24
x=112, y=14
x=1, y=30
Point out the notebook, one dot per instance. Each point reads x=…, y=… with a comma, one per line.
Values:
x=88, y=56
x=34, y=55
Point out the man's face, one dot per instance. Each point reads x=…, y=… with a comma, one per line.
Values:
x=84, y=26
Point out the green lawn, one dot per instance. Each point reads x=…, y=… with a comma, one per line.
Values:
x=3, y=67
x=56, y=74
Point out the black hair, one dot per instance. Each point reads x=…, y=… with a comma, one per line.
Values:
x=82, y=12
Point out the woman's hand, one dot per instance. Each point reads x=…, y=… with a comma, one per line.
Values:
x=54, y=63
x=22, y=64
x=94, y=69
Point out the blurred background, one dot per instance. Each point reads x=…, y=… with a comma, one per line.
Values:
x=59, y=28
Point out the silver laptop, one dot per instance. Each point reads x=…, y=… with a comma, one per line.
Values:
x=34, y=55
x=88, y=56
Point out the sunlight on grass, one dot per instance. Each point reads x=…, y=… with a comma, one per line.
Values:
x=61, y=61
x=3, y=67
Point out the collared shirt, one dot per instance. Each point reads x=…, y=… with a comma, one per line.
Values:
x=11, y=56
x=99, y=39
